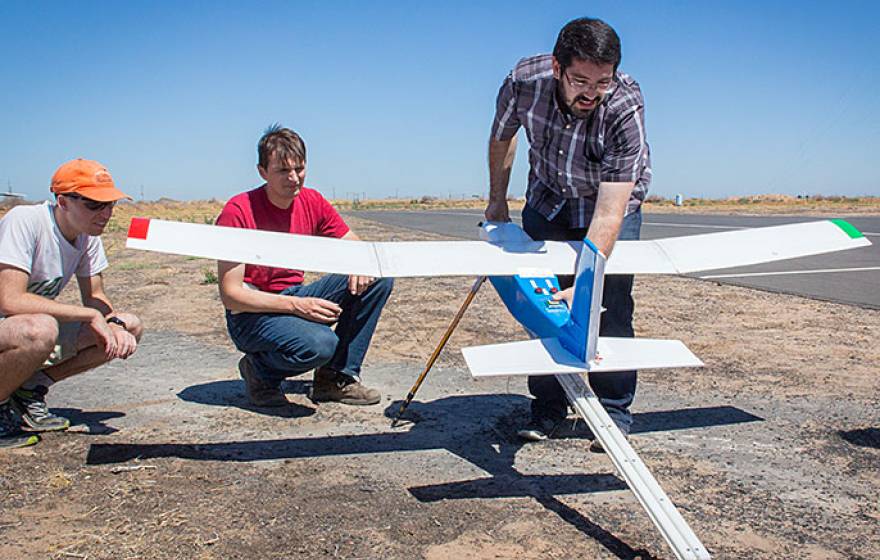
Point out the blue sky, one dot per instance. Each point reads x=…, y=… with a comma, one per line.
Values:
x=396, y=98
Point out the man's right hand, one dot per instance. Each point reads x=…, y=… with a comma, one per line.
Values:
x=497, y=211
x=104, y=336
x=316, y=309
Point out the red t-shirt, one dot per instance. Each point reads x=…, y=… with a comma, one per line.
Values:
x=309, y=214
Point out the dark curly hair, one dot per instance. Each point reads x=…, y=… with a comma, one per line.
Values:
x=587, y=39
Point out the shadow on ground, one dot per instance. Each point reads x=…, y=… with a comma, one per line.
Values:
x=478, y=428
x=231, y=393
x=865, y=437
x=93, y=421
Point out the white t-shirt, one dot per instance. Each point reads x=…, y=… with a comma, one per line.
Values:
x=30, y=240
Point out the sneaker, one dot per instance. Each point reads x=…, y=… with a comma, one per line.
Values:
x=539, y=428
x=35, y=415
x=331, y=386
x=11, y=435
x=260, y=393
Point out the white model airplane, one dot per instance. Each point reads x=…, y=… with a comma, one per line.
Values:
x=565, y=343
x=523, y=272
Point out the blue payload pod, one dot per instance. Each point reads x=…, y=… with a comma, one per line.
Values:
x=529, y=296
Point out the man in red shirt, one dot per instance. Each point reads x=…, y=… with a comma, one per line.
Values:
x=282, y=326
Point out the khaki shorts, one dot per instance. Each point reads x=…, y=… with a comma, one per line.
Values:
x=65, y=344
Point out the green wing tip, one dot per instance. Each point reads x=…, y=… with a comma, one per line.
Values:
x=848, y=228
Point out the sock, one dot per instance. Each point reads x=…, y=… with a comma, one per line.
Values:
x=38, y=378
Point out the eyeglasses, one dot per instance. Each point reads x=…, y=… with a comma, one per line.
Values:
x=583, y=85
x=90, y=204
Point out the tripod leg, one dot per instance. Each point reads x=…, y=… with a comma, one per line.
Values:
x=412, y=392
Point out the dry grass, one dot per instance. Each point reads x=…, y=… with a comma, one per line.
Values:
x=205, y=211
x=768, y=204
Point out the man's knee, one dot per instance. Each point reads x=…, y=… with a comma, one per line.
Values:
x=36, y=333
x=314, y=351
x=133, y=324
x=324, y=346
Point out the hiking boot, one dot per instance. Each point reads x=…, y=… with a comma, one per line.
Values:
x=260, y=393
x=331, y=386
x=539, y=428
x=11, y=435
x=35, y=415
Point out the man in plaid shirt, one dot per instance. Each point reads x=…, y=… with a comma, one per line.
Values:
x=589, y=173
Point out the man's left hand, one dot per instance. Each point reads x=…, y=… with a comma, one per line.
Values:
x=359, y=284
x=126, y=343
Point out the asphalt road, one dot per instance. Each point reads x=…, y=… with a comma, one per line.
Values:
x=851, y=277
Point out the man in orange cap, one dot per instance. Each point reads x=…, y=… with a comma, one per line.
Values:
x=43, y=341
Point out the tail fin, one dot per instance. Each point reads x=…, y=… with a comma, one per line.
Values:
x=580, y=335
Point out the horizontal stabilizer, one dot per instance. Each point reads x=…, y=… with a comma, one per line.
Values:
x=546, y=356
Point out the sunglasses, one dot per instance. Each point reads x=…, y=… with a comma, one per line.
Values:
x=90, y=204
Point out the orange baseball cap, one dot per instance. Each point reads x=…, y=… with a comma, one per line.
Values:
x=86, y=178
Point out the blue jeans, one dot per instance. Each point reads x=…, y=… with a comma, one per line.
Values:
x=615, y=389
x=282, y=345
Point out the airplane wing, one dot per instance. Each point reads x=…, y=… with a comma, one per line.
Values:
x=709, y=251
x=546, y=356
x=676, y=255
x=342, y=256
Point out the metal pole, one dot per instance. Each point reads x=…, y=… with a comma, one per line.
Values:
x=412, y=392
x=663, y=513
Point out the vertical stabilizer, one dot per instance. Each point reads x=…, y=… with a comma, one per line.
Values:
x=581, y=334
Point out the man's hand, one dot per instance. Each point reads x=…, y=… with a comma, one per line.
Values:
x=104, y=335
x=316, y=309
x=497, y=211
x=126, y=343
x=359, y=284
x=566, y=294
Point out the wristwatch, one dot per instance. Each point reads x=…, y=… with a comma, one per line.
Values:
x=117, y=321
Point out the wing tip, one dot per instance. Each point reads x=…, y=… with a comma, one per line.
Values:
x=138, y=228
x=848, y=228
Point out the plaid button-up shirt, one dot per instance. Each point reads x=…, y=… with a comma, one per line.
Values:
x=569, y=157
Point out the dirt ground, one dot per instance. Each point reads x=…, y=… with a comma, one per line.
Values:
x=770, y=451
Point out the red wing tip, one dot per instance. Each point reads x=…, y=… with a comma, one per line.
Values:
x=138, y=228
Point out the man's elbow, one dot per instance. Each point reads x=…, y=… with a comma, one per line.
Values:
x=9, y=305
x=229, y=299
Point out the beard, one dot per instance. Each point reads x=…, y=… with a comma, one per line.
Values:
x=583, y=105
